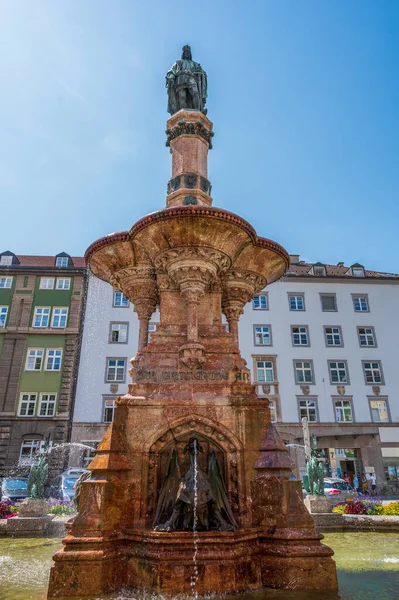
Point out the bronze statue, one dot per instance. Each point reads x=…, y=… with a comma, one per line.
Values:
x=196, y=497
x=187, y=84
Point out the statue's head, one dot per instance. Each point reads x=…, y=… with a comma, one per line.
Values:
x=186, y=52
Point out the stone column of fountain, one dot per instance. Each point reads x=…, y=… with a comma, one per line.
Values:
x=136, y=525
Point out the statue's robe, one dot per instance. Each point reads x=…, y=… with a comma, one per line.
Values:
x=185, y=73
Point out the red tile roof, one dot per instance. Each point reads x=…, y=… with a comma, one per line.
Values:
x=302, y=269
x=44, y=261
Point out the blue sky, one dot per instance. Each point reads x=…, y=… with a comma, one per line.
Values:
x=304, y=97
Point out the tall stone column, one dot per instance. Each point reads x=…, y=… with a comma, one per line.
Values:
x=189, y=136
x=138, y=284
x=238, y=288
x=144, y=311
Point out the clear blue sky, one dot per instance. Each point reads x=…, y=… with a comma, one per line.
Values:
x=304, y=96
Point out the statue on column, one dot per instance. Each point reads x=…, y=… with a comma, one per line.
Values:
x=187, y=84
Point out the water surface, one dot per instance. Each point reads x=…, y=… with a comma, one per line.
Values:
x=368, y=569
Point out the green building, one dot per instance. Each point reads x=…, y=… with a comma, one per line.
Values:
x=41, y=305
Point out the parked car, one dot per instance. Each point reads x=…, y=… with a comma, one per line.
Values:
x=338, y=490
x=14, y=489
x=63, y=487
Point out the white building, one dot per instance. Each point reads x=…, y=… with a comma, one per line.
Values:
x=321, y=344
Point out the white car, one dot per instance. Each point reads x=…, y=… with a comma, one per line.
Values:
x=338, y=490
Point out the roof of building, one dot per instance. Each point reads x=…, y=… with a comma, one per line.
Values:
x=44, y=261
x=304, y=269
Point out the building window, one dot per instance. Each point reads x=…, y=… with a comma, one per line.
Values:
x=116, y=369
x=60, y=317
x=5, y=282
x=89, y=454
x=273, y=412
x=308, y=409
x=373, y=372
x=63, y=284
x=343, y=410
x=109, y=407
x=357, y=271
x=366, y=336
x=260, y=302
x=46, y=283
x=27, y=405
x=338, y=371
x=296, y=301
x=151, y=328
x=265, y=371
x=300, y=335
x=62, y=261
x=118, y=333
x=379, y=410
x=262, y=335
x=42, y=316
x=333, y=336
x=360, y=303
x=328, y=302
x=303, y=371
x=47, y=405
x=120, y=300
x=320, y=271
x=3, y=316
x=6, y=260
x=53, y=359
x=34, y=359
x=29, y=452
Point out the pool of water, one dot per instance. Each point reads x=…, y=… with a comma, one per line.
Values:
x=368, y=569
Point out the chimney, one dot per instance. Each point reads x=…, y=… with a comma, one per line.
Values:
x=340, y=264
x=294, y=259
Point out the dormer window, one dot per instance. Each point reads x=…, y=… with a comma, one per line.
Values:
x=357, y=271
x=7, y=259
x=319, y=270
x=63, y=260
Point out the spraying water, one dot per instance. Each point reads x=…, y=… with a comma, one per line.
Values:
x=194, y=578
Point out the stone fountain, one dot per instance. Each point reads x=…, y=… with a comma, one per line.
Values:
x=191, y=488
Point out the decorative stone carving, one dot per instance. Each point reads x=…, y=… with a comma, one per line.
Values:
x=205, y=185
x=174, y=184
x=305, y=390
x=184, y=128
x=341, y=390
x=114, y=388
x=219, y=259
x=192, y=355
x=138, y=284
x=190, y=180
x=376, y=390
x=190, y=200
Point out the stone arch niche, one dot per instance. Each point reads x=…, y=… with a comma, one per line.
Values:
x=228, y=449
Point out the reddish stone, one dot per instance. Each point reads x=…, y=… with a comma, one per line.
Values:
x=193, y=262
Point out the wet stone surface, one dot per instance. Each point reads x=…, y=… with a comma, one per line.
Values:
x=368, y=568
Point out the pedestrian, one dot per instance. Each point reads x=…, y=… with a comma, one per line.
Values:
x=364, y=483
x=368, y=477
x=356, y=482
x=373, y=484
x=347, y=478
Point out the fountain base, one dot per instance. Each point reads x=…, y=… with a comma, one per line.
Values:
x=163, y=562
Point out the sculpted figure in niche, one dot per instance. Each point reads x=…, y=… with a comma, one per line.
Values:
x=187, y=84
x=179, y=496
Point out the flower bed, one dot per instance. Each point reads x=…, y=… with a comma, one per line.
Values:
x=368, y=507
x=61, y=508
x=8, y=510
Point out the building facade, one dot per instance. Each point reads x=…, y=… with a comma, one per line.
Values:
x=41, y=303
x=320, y=344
